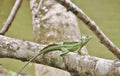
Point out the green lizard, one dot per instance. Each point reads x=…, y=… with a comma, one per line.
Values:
x=63, y=46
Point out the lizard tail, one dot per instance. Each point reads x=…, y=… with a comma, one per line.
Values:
x=27, y=64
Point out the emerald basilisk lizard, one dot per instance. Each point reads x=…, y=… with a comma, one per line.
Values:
x=63, y=46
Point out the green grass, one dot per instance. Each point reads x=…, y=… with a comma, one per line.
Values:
x=104, y=12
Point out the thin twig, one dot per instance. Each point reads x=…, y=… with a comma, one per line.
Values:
x=92, y=26
x=11, y=17
x=39, y=6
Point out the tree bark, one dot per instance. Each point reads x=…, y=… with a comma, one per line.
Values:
x=73, y=63
x=52, y=23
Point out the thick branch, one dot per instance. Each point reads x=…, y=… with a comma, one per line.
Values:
x=11, y=17
x=18, y=49
x=74, y=63
x=92, y=26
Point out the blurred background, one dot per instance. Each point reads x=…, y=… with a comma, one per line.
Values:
x=105, y=13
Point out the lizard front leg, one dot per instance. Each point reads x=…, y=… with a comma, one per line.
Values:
x=64, y=50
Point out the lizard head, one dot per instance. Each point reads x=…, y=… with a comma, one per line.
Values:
x=84, y=39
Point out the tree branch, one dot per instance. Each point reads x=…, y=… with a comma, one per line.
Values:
x=18, y=49
x=11, y=17
x=74, y=63
x=92, y=26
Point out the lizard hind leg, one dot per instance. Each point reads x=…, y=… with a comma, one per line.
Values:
x=65, y=51
x=79, y=51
